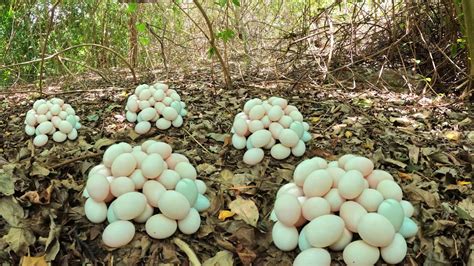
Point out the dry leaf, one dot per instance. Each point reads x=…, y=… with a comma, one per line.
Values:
x=245, y=210
x=224, y=214
x=33, y=261
x=222, y=258
x=452, y=135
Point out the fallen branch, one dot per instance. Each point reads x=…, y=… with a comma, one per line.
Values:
x=193, y=259
x=91, y=155
x=199, y=143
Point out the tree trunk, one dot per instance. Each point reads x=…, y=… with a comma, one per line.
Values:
x=133, y=38
x=468, y=10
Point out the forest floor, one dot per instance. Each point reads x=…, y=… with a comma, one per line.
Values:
x=426, y=143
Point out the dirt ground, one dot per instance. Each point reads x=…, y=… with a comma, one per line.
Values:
x=426, y=143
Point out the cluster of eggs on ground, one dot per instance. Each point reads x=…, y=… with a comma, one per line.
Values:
x=331, y=202
x=155, y=104
x=271, y=124
x=51, y=117
x=145, y=184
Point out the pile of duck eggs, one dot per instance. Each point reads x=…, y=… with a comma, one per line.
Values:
x=331, y=203
x=51, y=118
x=144, y=184
x=271, y=124
x=155, y=104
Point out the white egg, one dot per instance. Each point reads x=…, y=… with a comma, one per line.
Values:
x=111, y=153
x=255, y=125
x=40, y=140
x=343, y=241
x=351, y=184
x=239, y=142
x=253, y=156
x=178, y=121
x=121, y=185
x=275, y=129
x=163, y=124
x=191, y=223
x=161, y=148
x=376, y=230
x=153, y=190
x=407, y=208
x=288, y=138
x=303, y=169
x=96, y=212
x=169, y=113
x=118, y=234
x=324, y=230
x=311, y=256
x=299, y=149
x=315, y=207
x=59, y=136
x=159, y=226
x=396, y=251
x=147, y=114
x=201, y=186
x=143, y=127
x=147, y=213
x=284, y=237
x=360, y=253
x=260, y=138
x=174, y=205
x=169, y=178
x=318, y=183
x=45, y=127
x=132, y=104
x=240, y=127
x=138, y=178
x=186, y=170
x=275, y=113
x=285, y=121
x=123, y=165
x=257, y=112
x=152, y=166
x=29, y=130
x=145, y=94
x=159, y=95
x=296, y=116
x=390, y=190
x=129, y=205
x=280, y=152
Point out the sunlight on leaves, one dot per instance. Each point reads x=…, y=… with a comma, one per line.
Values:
x=33, y=261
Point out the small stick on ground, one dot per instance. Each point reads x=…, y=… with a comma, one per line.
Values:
x=193, y=259
x=189, y=133
x=77, y=159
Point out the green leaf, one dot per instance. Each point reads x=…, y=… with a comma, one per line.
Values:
x=19, y=239
x=226, y=35
x=132, y=7
x=93, y=117
x=141, y=27
x=6, y=181
x=144, y=41
x=11, y=211
x=236, y=2
x=221, y=3
x=39, y=170
x=211, y=52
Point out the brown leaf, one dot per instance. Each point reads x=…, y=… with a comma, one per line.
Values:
x=33, y=261
x=43, y=197
x=245, y=210
x=222, y=258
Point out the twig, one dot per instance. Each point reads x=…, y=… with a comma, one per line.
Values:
x=193, y=259
x=77, y=159
x=199, y=143
x=43, y=49
x=88, y=67
x=74, y=47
